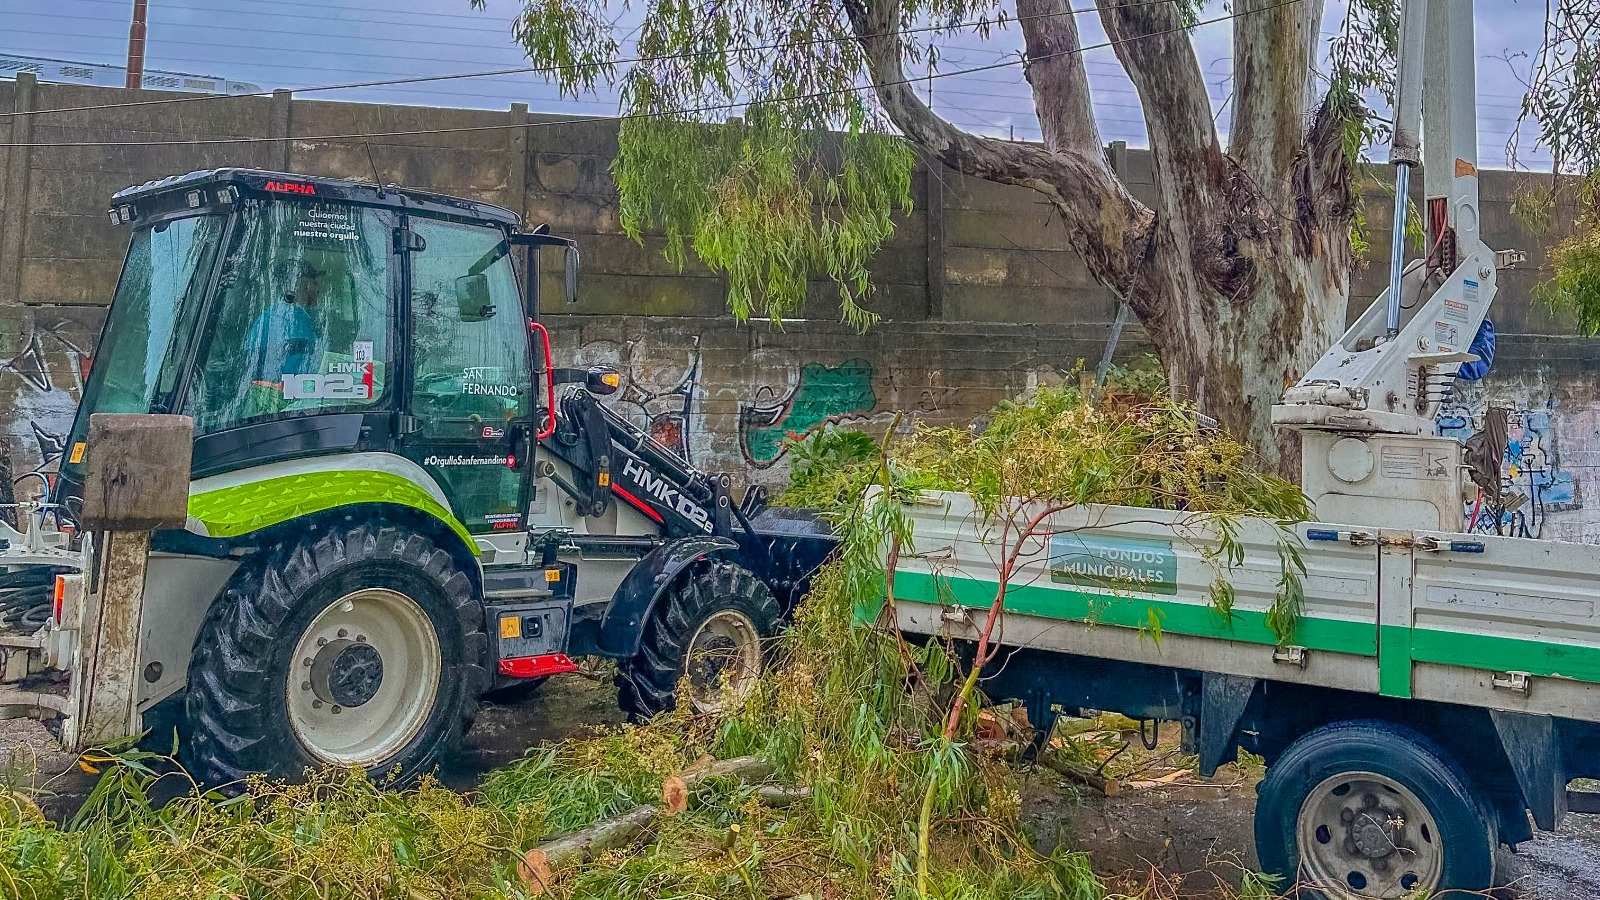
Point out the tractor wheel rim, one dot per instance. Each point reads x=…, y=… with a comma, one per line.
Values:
x=364, y=678
x=1364, y=835
x=723, y=662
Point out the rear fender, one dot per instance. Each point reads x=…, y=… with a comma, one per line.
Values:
x=641, y=591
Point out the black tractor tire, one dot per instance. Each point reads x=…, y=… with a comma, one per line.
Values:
x=647, y=683
x=236, y=718
x=1467, y=834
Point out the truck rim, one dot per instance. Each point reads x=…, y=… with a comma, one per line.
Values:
x=1364, y=835
x=724, y=661
x=363, y=678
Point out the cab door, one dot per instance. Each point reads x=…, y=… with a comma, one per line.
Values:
x=469, y=402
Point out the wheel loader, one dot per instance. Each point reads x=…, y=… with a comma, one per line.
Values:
x=395, y=502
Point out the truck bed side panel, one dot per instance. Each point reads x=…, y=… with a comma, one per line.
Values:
x=1520, y=607
x=1134, y=584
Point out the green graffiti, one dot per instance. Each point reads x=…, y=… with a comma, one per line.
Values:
x=823, y=394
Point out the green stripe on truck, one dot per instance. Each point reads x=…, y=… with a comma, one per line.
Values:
x=1502, y=654
x=1394, y=661
x=1400, y=646
x=1176, y=617
x=243, y=508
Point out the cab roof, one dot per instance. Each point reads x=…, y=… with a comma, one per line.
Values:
x=261, y=182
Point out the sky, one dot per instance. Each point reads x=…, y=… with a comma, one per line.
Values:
x=299, y=43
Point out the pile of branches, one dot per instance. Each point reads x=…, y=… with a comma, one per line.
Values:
x=868, y=780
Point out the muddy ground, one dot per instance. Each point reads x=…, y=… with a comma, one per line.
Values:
x=1164, y=823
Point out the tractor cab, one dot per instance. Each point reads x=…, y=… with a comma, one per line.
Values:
x=294, y=316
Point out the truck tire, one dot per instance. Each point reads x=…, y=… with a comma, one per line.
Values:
x=713, y=622
x=359, y=647
x=1372, y=809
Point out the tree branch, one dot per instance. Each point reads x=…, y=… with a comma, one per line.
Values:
x=1272, y=70
x=1056, y=73
x=1154, y=48
x=1105, y=224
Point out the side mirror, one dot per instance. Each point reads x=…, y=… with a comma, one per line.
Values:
x=572, y=274
x=472, y=298
x=602, y=380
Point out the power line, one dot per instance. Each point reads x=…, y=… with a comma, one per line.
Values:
x=207, y=26
x=642, y=115
x=160, y=27
x=556, y=68
x=161, y=39
x=324, y=7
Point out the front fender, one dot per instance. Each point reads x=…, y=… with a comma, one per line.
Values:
x=622, y=627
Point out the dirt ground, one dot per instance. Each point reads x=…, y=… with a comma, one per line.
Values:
x=1163, y=823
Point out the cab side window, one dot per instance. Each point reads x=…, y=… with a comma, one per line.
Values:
x=469, y=337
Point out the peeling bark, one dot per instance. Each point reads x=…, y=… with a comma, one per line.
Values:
x=1273, y=52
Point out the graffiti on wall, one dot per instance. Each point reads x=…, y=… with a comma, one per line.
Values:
x=738, y=417
x=1531, y=474
x=40, y=382
x=818, y=395
x=658, y=388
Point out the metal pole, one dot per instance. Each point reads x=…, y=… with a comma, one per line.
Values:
x=1115, y=337
x=1405, y=143
x=136, y=32
x=1397, y=244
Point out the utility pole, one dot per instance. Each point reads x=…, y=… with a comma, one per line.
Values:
x=136, y=33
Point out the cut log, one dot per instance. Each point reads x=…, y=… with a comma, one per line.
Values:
x=780, y=795
x=744, y=768
x=1080, y=773
x=674, y=795
x=538, y=866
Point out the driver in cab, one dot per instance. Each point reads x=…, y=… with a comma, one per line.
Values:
x=284, y=336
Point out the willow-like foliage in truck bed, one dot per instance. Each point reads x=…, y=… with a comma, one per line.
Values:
x=1132, y=446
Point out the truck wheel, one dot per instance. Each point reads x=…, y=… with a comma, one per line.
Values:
x=711, y=627
x=358, y=648
x=1371, y=809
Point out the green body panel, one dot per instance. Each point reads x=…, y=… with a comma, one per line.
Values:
x=1174, y=617
x=243, y=508
x=1503, y=654
x=1396, y=648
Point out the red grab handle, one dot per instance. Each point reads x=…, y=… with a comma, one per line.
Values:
x=547, y=372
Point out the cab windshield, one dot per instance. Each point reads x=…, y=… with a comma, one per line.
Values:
x=152, y=319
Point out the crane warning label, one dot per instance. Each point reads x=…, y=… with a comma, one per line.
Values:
x=1413, y=463
x=1114, y=563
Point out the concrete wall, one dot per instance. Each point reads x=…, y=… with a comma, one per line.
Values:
x=980, y=295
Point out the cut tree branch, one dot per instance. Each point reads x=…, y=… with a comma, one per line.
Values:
x=1272, y=71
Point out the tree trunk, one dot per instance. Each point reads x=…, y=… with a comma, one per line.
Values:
x=1234, y=351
